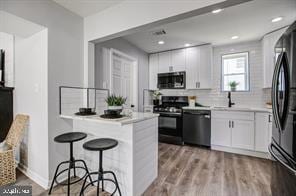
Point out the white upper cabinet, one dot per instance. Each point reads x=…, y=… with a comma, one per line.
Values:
x=196, y=61
x=153, y=71
x=172, y=61
x=205, y=67
x=192, y=67
x=178, y=60
x=199, y=67
x=164, y=62
x=269, y=55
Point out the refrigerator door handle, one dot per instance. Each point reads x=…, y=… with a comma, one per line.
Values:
x=278, y=159
x=274, y=94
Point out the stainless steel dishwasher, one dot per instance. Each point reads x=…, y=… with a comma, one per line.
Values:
x=197, y=127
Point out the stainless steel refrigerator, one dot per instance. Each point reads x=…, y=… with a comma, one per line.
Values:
x=283, y=145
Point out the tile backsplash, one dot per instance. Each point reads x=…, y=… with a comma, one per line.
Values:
x=256, y=97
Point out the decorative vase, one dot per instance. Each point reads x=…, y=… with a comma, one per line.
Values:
x=233, y=89
x=156, y=102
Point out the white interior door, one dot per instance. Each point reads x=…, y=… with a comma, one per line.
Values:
x=122, y=78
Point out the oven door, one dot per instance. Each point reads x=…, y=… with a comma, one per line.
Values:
x=170, y=124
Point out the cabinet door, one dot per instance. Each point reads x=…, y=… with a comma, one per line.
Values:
x=178, y=60
x=153, y=71
x=164, y=62
x=221, y=132
x=262, y=129
x=205, y=67
x=192, y=66
x=242, y=134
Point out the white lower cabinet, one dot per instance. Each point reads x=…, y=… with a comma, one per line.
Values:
x=263, y=129
x=221, y=132
x=242, y=134
x=241, y=131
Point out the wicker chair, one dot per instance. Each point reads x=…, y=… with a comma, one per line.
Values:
x=7, y=152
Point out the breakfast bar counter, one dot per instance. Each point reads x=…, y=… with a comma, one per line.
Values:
x=134, y=160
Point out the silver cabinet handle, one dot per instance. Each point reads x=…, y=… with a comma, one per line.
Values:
x=232, y=124
x=229, y=125
x=195, y=84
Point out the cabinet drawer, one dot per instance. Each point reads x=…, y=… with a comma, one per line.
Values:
x=233, y=115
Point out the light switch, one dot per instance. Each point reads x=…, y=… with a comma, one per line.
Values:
x=36, y=88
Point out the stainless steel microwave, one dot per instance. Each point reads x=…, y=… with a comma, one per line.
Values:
x=172, y=80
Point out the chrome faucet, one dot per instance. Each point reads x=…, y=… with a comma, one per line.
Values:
x=229, y=100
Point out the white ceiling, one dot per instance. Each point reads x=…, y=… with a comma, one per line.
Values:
x=249, y=21
x=87, y=7
x=15, y=25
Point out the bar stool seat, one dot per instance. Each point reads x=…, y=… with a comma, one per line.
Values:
x=70, y=138
x=101, y=145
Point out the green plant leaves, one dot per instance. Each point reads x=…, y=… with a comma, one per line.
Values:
x=114, y=100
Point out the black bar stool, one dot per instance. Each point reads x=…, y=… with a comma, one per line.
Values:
x=69, y=137
x=101, y=145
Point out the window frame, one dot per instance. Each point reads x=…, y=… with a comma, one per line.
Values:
x=246, y=74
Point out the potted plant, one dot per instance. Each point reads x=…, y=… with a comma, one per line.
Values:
x=233, y=85
x=115, y=102
x=156, y=95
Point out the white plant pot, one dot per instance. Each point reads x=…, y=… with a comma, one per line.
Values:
x=233, y=89
x=115, y=107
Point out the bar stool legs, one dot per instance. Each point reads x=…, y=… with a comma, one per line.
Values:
x=101, y=178
x=72, y=165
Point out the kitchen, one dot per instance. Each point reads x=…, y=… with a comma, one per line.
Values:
x=184, y=106
x=191, y=68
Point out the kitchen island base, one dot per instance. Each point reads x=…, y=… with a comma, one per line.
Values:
x=134, y=160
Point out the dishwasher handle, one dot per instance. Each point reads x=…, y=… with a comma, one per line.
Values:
x=205, y=114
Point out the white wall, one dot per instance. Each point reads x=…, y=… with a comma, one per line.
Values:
x=256, y=97
x=7, y=44
x=30, y=97
x=126, y=47
x=129, y=15
x=65, y=60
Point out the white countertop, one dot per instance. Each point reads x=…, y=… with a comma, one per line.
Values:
x=239, y=109
x=136, y=117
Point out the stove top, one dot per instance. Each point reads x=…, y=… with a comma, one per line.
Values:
x=167, y=109
x=172, y=104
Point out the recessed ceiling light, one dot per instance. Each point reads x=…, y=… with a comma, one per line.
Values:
x=277, y=19
x=234, y=37
x=216, y=11
x=187, y=45
x=160, y=42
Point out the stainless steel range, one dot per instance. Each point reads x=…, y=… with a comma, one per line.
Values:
x=170, y=122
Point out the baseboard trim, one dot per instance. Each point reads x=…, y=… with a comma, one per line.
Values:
x=44, y=183
x=242, y=151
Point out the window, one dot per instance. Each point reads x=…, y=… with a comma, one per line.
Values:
x=235, y=68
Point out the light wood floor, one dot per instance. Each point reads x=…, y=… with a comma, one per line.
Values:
x=195, y=171
x=192, y=171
